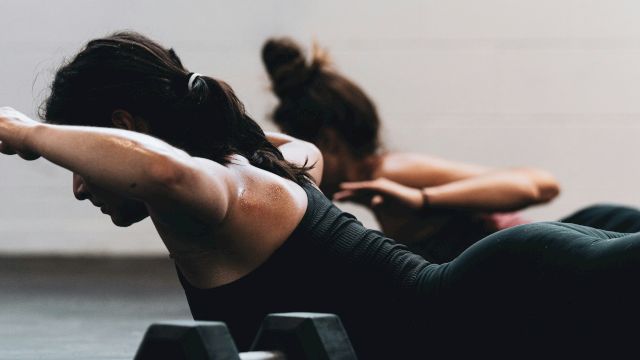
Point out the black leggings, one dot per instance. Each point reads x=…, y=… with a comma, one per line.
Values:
x=541, y=287
x=465, y=231
x=607, y=217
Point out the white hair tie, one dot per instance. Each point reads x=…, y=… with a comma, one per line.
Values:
x=192, y=79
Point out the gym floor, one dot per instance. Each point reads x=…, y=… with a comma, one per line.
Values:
x=84, y=308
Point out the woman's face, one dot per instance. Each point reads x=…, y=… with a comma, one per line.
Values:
x=123, y=211
x=339, y=162
x=336, y=157
x=332, y=173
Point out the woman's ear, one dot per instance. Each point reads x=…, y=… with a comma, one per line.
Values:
x=122, y=119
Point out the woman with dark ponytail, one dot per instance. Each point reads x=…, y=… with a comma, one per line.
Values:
x=435, y=206
x=196, y=113
x=251, y=234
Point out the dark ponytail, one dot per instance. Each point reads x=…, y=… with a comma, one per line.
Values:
x=241, y=134
x=129, y=71
x=314, y=97
x=288, y=68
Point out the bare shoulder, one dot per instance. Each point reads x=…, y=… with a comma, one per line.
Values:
x=266, y=196
x=263, y=210
x=196, y=193
x=421, y=170
x=248, y=190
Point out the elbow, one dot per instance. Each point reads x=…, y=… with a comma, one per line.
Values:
x=316, y=161
x=314, y=155
x=542, y=185
x=549, y=192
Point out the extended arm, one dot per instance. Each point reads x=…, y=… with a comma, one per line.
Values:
x=503, y=190
x=124, y=162
x=414, y=179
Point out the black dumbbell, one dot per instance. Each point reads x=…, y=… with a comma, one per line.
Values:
x=304, y=336
x=281, y=336
x=187, y=340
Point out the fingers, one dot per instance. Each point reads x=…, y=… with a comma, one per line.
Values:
x=4, y=110
x=382, y=191
x=13, y=127
x=349, y=195
x=9, y=111
x=5, y=149
x=377, y=200
x=343, y=195
x=8, y=114
x=28, y=155
x=8, y=150
x=359, y=197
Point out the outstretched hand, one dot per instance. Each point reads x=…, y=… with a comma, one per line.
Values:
x=374, y=193
x=14, y=127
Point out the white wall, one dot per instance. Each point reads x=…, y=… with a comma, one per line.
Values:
x=549, y=83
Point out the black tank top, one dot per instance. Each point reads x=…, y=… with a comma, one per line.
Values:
x=528, y=288
x=331, y=263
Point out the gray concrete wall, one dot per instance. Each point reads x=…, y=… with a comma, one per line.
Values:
x=549, y=83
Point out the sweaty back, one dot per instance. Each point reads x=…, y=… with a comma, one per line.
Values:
x=330, y=263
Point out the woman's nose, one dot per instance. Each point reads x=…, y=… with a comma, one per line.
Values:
x=79, y=188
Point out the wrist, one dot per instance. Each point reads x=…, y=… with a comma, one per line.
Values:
x=31, y=134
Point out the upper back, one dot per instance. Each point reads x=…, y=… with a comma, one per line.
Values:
x=329, y=264
x=263, y=211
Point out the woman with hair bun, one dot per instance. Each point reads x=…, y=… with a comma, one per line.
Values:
x=250, y=233
x=435, y=206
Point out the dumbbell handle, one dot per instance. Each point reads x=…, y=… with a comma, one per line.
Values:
x=262, y=355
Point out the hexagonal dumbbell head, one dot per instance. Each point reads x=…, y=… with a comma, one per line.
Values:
x=305, y=336
x=187, y=340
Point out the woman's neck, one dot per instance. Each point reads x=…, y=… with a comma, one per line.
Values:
x=362, y=169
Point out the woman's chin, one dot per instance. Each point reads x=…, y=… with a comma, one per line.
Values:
x=125, y=218
x=120, y=222
x=125, y=221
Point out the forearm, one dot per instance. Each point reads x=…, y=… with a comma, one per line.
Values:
x=121, y=161
x=499, y=191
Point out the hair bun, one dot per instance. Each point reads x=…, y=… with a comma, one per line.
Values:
x=286, y=65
